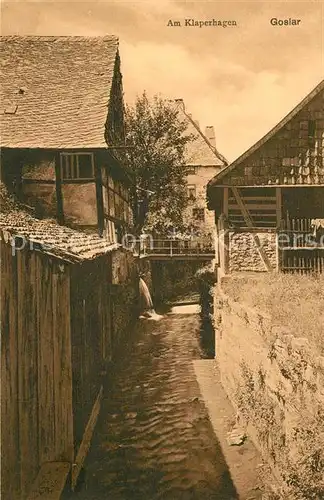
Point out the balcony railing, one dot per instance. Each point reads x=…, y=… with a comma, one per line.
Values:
x=173, y=247
x=302, y=247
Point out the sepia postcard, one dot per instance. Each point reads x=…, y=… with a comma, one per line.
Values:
x=162, y=250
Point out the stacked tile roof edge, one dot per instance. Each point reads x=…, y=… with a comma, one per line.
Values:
x=46, y=235
x=24, y=231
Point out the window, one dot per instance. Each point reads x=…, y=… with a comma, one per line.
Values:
x=198, y=213
x=77, y=166
x=191, y=191
x=191, y=170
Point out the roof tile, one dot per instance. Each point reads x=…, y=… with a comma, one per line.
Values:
x=60, y=87
x=53, y=239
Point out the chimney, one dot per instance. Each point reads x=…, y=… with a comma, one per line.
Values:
x=180, y=103
x=210, y=134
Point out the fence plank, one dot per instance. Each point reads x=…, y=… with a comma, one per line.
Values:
x=10, y=470
x=27, y=369
x=62, y=364
x=300, y=255
x=45, y=363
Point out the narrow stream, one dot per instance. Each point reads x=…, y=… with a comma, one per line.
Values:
x=154, y=439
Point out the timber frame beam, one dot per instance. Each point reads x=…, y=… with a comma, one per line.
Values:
x=249, y=222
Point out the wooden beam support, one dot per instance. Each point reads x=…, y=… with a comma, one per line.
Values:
x=278, y=207
x=279, y=226
x=86, y=440
x=58, y=186
x=249, y=223
x=225, y=202
x=99, y=196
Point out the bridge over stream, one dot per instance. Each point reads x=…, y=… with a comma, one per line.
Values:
x=174, y=249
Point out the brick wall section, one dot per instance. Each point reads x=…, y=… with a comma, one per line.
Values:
x=276, y=383
x=243, y=253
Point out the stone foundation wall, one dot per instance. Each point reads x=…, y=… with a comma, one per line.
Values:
x=125, y=296
x=276, y=383
x=145, y=266
x=243, y=253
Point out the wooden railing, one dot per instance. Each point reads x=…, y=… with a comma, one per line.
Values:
x=173, y=247
x=301, y=250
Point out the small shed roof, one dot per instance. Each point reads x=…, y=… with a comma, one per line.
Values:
x=50, y=238
x=55, y=90
x=46, y=235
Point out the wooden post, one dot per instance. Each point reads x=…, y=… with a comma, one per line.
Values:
x=216, y=242
x=223, y=235
x=278, y=207
x=225, y=202
x=58, y=185
x=99, y=196
x=226, y=240
x=279, y=226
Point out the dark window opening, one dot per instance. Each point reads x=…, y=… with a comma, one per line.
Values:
x=191, y=191
x=198, y=214
x=77, y=166
x=85, y=166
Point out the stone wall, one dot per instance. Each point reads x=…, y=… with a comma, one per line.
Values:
x=146, y=272
x=243, y=253
x=276, y=383
x=125, y=295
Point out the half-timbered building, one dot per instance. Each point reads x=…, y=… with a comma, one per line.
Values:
x=63, y=130
x=68, y=289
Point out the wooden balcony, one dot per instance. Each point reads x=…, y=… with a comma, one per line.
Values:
x=176, y=249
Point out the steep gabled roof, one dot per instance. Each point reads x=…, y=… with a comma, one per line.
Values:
x=220, y=176
x=55, y=90
x=200, y=151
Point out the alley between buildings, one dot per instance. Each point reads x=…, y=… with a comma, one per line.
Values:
x=154, y=439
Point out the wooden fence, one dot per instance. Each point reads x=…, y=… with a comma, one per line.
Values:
x=91, y=323
x=56, y=339
x=174, y=247
x=36, y=409
x=299, y=250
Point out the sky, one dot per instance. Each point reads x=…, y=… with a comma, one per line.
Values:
x=241, y=79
